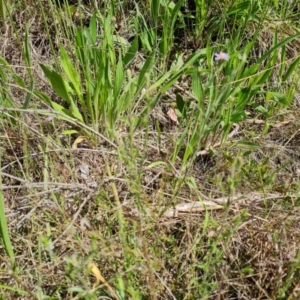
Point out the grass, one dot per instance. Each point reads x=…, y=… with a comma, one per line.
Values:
x=136, y=165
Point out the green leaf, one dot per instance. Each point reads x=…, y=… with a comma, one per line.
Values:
x=4, y=233
x=291, y=68
x=75, y=112
x=253, y=69
x=239, y=9
x=248, y=145
x=146, y=69
x=261, y=109
x=187, y=64
x=282, y=43
x=180, y=103
x=154, y=11
x=119, y=77
x=61, y=109
x=70, y=71
x=62, y=88
x=143, y=115
x=13, y=289
x=238, y=116
x=57, y=107
x=162, y=79
x=156, y=164
x=128, y=58
x=19, y=80
x=197, y=86
x=29, y=70
x=57, y=83
x=278, y=97
x=27, y=49
x=282, y=61
x=69, y=132
x=93, y=28
x=28, y=95
x=175, y=12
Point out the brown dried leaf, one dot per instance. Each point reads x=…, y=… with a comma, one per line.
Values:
x=192, y=207
x=281, y=124
x=99, y=278
x=172, y=115
x=79, y=140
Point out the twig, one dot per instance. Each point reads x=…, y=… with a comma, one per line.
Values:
x=86, y=199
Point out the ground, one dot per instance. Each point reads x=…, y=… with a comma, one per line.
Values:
x=186, y=186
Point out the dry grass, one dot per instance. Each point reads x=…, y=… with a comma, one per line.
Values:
x=69, y=207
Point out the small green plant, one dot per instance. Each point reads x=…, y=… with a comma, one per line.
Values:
x=223, y=91
x=98, y=88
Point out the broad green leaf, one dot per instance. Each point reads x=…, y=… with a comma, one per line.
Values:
x=180, y=103
x=57, y=107
x=197, y=86
x=261, y=109
x=75, y=112
x=278, y=97
x=57, y=83
x=238, y=116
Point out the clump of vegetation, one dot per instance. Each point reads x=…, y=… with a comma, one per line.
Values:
x=149, y=150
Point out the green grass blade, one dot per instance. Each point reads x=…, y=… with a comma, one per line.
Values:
x=146, y=69
x=70, y=71
x=291, y=68
x=4, y=229
x=29, y=70
x=253, y=69
x=196, y=85
x=119, y=78
x=128, y=58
